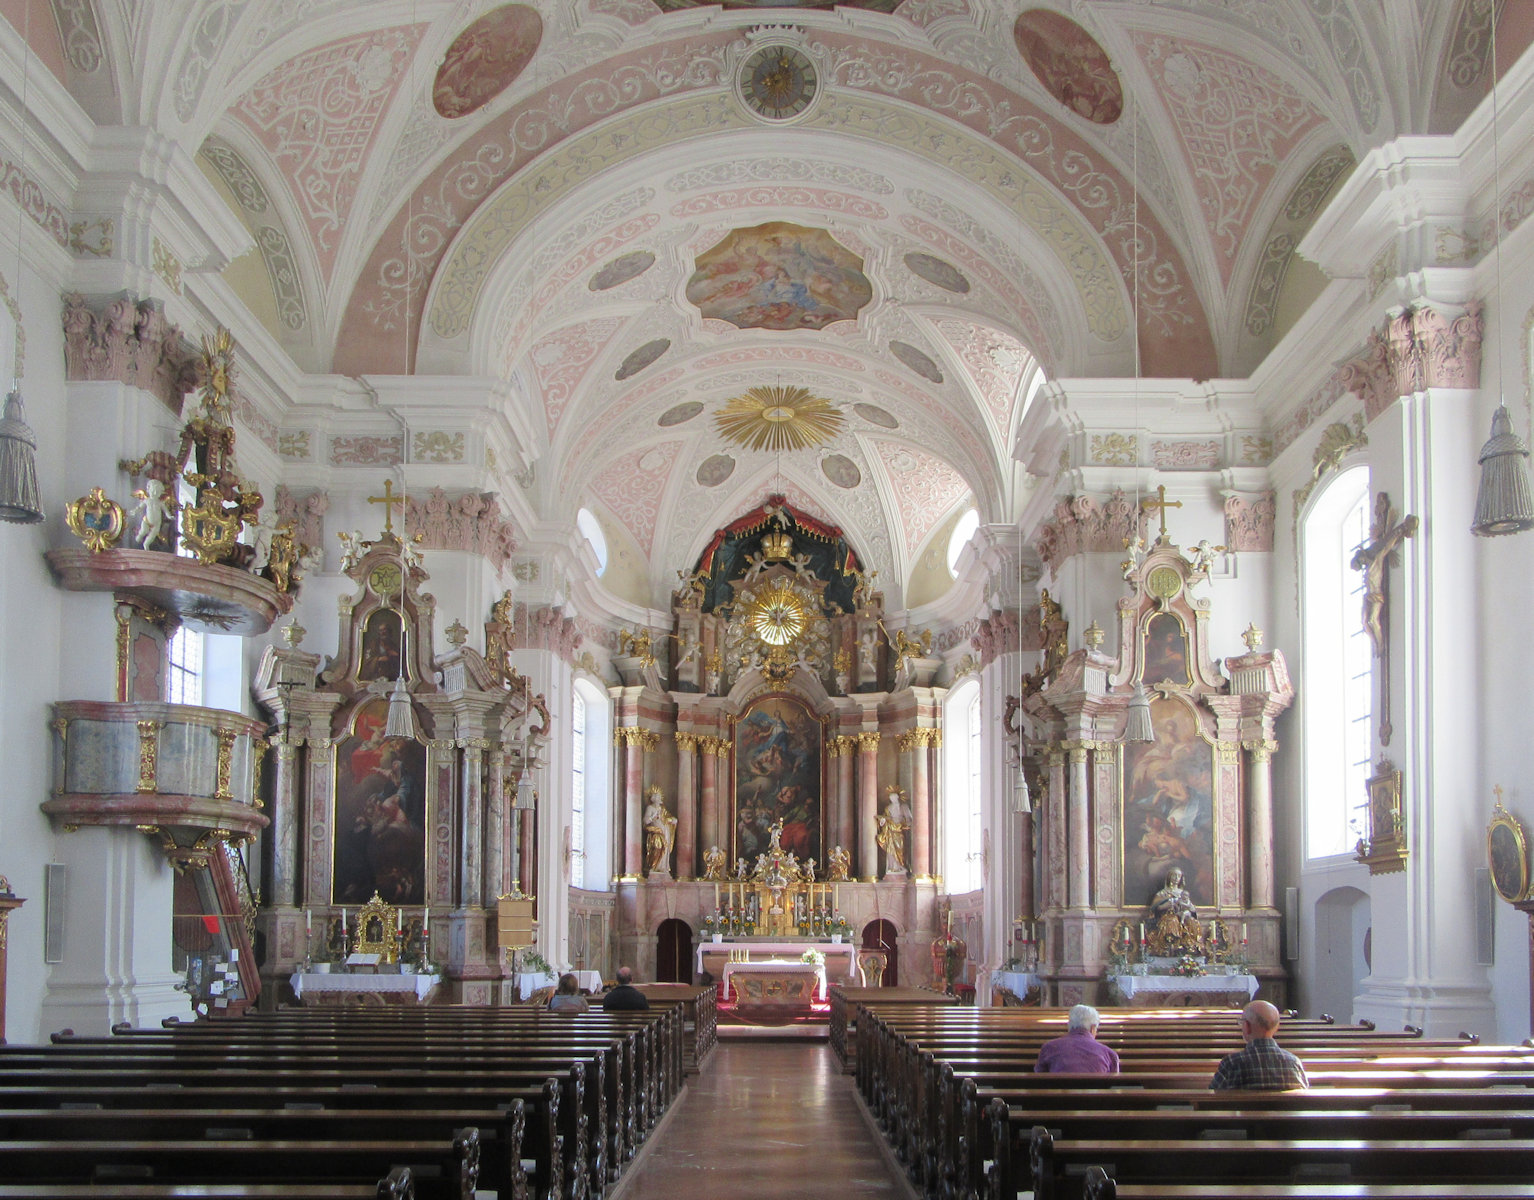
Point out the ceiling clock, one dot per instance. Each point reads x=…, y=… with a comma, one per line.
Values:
x=778, y=83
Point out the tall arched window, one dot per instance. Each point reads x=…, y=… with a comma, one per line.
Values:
x=1339, y=666
x=963, y=836
x=590, y=857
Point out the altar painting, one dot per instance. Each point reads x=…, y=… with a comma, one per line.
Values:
x=1165, y=652
x=778, y=778
x=1168, y=807
x=380, y=825
x=381, y=639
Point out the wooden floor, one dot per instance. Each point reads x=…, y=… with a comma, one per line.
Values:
x=766, y=1121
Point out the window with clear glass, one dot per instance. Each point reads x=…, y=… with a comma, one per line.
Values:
x=963, y=832
x=1338, y=695
x=578, y=793
x=183, y=668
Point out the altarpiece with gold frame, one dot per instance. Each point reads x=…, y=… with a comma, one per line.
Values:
x=1119, y=817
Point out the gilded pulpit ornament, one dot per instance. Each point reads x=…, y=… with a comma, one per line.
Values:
x=209, y=530
x=96, y=520
x=778, y=418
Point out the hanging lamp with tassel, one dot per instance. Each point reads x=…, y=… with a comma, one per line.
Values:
x=1138, y=728
x=1503, y=503
x=20, y=501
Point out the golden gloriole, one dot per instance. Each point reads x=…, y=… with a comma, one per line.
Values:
x=778, y=616
x=778, y=418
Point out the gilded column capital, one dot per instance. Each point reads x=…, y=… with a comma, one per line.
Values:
x=1227, y=752
x=723, y=746
x=840, y=746
x=688, y=743
x=633, y=735
x=867, y=740
x=1261, y=749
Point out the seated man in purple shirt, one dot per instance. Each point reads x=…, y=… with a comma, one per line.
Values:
x=1078, y=1052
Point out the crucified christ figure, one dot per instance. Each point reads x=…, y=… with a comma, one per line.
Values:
x=1375, y=558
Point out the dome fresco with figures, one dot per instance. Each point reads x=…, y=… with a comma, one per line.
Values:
x=576, y=202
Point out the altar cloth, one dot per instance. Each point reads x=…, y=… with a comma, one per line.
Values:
x=778, y=968
x=1220, y=988
x=416, y=986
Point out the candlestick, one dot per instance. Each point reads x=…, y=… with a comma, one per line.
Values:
x=399, y=920
x=1142, y=932
x=308, y=923
x=1243, y=931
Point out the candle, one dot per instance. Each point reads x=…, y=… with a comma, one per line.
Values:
x=1142, y=931
x=1243, y=931
x=308, y=923
x=425, y=924
x=716, y=897
x=836, y=895
x=399, y=920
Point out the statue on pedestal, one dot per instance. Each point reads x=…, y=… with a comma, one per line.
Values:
x=714, y=866
x=659, y=834
x=839, y=869
x=893, y=823
x=1175, y=928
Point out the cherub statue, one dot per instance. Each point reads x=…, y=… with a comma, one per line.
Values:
x=410, y=553
x=840, y=869
x=260, y=532
x=636, y=644
x=1202, y=555
x=740, y=869
x=1136, y=547
x=713, y=863
x=801, y=565
x=353, y=547
x=156, y=505
x=807, y=870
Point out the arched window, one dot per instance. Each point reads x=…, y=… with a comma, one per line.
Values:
x=590, y=860
x=962, y=532
x=591, y=530
x=1339, y=666
x=963, y=837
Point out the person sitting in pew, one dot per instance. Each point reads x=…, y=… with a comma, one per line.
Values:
x=567, y=996
x=625, y=997
x=1078, y=1052
x=1263, y=1065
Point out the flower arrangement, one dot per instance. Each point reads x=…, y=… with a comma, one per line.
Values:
x=1187, y=966
x=712, y=924
x=840, y=925
x=813, y=957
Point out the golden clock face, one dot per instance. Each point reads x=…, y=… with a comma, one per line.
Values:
x=384, y=579
x=778, y=82
x=778, y=616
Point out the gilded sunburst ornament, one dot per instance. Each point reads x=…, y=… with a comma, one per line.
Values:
x=779, y=418
x=778, y=616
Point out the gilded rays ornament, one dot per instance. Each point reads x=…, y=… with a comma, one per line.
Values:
x=778, y=616
x=779, y=418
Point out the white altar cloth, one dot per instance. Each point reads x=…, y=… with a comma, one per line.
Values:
x=786, y=950
x=1128, y=985
x=1019, y=983
x=743, y=968
x=316, y=982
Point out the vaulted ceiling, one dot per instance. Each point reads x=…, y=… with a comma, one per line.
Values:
x=945, y=201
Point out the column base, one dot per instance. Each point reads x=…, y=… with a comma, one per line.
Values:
x=1439, y=1010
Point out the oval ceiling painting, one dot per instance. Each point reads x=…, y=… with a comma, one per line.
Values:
x=935, y=270
x=875, y=415
x=485, y=59
x=917, y=361
x=779, y=276
x=1070, y=64
x=680, y=414
x=715, y=469
x=639, y=359
x=841, y=470
x=621, y=270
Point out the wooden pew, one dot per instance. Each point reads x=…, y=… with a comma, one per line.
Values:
x=439, y=1168
x=396, y=1185
x=1100, y=1186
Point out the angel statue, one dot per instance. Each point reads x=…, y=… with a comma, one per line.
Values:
x=839, y=869
x=713, y=864
x=659, y=834
x=892, y=825
x=155, y=506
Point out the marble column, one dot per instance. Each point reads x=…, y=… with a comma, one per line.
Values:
x=914, y=745
x=868, y=805
x=471, y=849
x=1259, y=823
x=286, y=779
x=496, y=857
x=1078, y=829
x=686, y=804
x=710, y=788
x=846, y=800
x=632, y=740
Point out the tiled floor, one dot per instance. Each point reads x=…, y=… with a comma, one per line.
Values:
x=765, y=1121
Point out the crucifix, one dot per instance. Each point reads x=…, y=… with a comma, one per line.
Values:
x=1162, y=503
x=1375, y=558
x=388, y=500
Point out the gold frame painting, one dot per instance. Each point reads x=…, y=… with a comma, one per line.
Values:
x=778, y=772
x=1507, y=854
x=1167, y=805
x=1384, y=849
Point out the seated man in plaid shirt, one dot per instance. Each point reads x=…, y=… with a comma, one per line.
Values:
x=1263, y=1066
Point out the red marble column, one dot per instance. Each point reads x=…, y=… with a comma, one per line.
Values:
x=915, y=744
x=845, y=797
x=633, y=740
x=868, y=805
x=686, y=805
x=712, y=836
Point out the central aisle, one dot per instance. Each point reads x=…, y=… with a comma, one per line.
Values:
x=766, y=1121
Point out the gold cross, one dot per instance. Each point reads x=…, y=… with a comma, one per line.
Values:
x=1497, y=792
x=388, y=500
x=1163, y=504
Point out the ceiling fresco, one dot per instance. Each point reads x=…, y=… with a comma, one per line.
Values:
x=577, y=199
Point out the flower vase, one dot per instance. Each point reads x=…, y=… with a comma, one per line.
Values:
x=718, y=937
x=836, y=939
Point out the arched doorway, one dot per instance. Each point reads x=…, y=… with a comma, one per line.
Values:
x=1341, y=950
x=880, y=935
x=673, y=952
